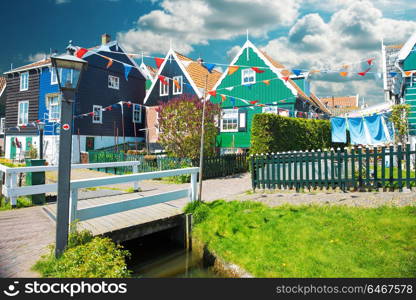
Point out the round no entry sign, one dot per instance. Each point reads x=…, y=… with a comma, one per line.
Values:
x=66, y=127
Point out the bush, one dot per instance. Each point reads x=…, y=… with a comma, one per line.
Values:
x=273, y=133
x=86, y=257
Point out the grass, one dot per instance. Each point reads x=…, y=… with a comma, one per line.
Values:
x=21, y=202
x=310, y=241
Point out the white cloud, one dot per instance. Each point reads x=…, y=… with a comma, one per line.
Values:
x=62, y=1
x=232, y=52
x=36, y=57
x=353, y=33
x=196, y=22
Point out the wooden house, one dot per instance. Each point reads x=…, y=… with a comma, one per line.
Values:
x=189, y=76
x=107, y=109
x=255, y=83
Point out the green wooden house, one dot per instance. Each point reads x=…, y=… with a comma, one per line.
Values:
x=255, y=83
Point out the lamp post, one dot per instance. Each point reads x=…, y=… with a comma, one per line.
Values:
x=68, y=69
x=41, y=128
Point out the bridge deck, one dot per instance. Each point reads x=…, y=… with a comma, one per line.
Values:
x=116, y=223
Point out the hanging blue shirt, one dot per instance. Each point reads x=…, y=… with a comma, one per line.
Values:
x=357, y=133
x=375, y=127
x=339, y=130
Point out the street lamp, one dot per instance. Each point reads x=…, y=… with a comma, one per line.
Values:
x=41, y=128
x=68, y=70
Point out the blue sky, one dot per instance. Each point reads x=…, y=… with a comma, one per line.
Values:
x=298, y=33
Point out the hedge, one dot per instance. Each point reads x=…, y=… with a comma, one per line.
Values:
x=273, y=133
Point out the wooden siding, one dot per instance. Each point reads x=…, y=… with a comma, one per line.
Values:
x=410, y=62
x=14, y=96
x=265, y=94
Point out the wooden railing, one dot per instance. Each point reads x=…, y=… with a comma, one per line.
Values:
x=357, y=168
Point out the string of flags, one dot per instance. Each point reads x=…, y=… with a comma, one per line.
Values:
x=109, y=108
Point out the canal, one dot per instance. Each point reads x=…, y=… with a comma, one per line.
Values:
x=158, y=256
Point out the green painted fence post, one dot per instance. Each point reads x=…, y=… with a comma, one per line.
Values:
x=273, y=165
x=283, y=165
x=367, y=167
x=399, y=165
x=290, y=158
x=313, y=169
x=391, y=165
x=346, y=181
x=253, y=172
x=307, y=175
x=297, y=186
x=354, y=180
x=408, y=175
x=326, y=168
x=319, y=168
x=268, y=164
x=360, y=167
x=376, y=184
x=332, y=168
x=339, y=169
x=301, y=175
x=278, y=162
x=383, y=167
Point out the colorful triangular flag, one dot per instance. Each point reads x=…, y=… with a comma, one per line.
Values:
x=178, y=86
x=343, y=74
x=285, y=78
x=159, y=61
x=364, y=72
x=232, y=69
x=186, y=63
x=223, y=97
x=110, y=62
x=163, y=80
x=370, y=61
x=392, y=74
x=127, y=69
x=232, y=99
x=257, y=70
x=229, y=88
x=213, y=93
x=253, y=102
x=266, y=82
x=297, y=72
x=81, y=52
x=209, y=67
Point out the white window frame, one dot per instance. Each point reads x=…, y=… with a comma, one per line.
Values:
x=248, y=73
x=26, y=117
x=113, y=82
x=163, y=89
x=24, y=81
x=48, y=106
x=226, y=116
x=54, y=76
x=175, y=90
x=2, y=125
x=99, y=120
x=137, y=108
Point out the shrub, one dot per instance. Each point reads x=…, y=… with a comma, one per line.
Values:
x=86, y=257
x=273, y=133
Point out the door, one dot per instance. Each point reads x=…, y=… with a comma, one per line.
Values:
x=89, y=143
x=12, y=148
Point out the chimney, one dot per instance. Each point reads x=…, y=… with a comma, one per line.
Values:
x=105, y=39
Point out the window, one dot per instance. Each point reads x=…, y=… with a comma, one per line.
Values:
x=113, y=82
x=2, y=125
x=54, y=106
x=248, y=76
x=23, y=113
x=97, y=118
x=24, y=81
x=137, y=113
x=177, y=87
x=54, y=77
x=229, y=120
x=163, y=89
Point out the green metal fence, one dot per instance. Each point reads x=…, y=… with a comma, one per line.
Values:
x=214, y=166
x=357, y=168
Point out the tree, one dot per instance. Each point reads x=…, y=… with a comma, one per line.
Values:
x=180, y=126
x=399, y=117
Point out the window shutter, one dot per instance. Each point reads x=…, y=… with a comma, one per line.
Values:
x=242, y=120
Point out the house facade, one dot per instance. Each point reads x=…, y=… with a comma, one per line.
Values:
x=341, y=105
x=399, y=66
x=255, y=83
x=107, y=109
x=177, y=75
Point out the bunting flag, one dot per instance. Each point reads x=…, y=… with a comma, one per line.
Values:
x=213, y=93
x=393, y=74
x=343, y=74
x=285, y=78
x=81, y=52
x=209, y=67
x=266, y=82
x=232, y=69
x=23, y=126
x=297, y=72
x=232, y=101
x=314, y=71
x=223, y=97
x=364, y=72
x=110, y=61
x=127, y=69
x=178, y=86
x=257, y=70
x=408, y=73
x=91, y=113
x=253, y=102
x=109, y=108
x=159, y=61
x=370, y=61
x=229, y=88
x=186, y=63
x=261, y=105
x=163, y=80
x=129, y=104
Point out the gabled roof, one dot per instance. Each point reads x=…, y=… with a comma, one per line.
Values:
x=148, y=70
x=2, y=85
x=407, y=47
x=280, y=71
x=193, y=71
x=34, y=65
x=345, y=101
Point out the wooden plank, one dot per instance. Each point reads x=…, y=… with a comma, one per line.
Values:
x=107, y=209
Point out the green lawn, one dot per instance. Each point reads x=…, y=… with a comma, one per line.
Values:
x=310, y=241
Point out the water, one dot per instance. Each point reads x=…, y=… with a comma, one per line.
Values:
x=157, y=256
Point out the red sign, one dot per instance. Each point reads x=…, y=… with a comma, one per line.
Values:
x=66, y=127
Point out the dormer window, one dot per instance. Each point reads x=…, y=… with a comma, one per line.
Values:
x=248, y=76
x=24, y=81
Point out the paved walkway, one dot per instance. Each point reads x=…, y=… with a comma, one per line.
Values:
x=27, y=232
